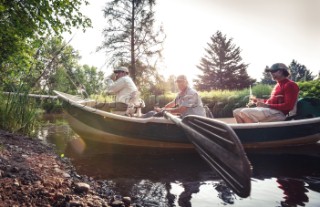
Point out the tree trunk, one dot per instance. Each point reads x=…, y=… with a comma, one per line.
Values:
x=133, y=61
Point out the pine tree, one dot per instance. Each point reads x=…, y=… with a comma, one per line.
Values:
x=300, y=72
x=222, y=66
x=129, y=35
x=267, y=78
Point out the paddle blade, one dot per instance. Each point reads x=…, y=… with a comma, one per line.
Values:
x=218, y=144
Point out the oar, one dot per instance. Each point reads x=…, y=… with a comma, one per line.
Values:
x=219, y=146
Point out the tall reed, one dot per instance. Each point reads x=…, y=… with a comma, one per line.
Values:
x=18, y=112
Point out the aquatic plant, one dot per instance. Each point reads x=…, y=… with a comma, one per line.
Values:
x=18, y=112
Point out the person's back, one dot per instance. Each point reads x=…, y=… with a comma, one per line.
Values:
x=127, y=94
x=123, y=88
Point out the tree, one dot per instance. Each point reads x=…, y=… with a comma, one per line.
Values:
x=267, y=78
x=172, y=84
x=25, y=21
x=90, y=78
x=299, y=72
x=62, y=71
x=129, y=35
x=56, y=68
x=222, y=67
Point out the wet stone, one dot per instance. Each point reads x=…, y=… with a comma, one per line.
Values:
x=75, y=204
x=117, y=203
x=126, y=201
x=82, y=187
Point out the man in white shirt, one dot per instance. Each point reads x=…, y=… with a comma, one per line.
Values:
x=123, y=87
x=127, y=94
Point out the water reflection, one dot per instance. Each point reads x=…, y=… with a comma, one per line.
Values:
x=149, y=175
x=297, y=172
x=158, y=177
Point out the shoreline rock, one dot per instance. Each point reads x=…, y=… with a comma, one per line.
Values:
x=32, y=174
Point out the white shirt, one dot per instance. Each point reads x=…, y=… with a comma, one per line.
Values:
x=124, y=89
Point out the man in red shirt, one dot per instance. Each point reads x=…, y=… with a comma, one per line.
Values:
x=282, y=100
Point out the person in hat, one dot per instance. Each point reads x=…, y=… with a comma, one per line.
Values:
x=282, y=100
x=187, y=102
x=127, y=94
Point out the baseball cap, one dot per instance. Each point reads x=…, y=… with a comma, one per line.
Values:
x=122, y=68
x=277, y=66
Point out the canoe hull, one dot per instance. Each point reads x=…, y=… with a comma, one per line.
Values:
x=90, y=133
x=100, y=126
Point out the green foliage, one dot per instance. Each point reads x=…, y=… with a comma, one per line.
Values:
x=23, y=22
x=55, y=68
x=222, y=66
x=129, y=35
x=223, y=102
x=18, y=112
x=157, y=100
x=51, y=106
x=309, y=89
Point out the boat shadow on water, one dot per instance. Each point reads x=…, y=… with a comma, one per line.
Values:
x=152, y=175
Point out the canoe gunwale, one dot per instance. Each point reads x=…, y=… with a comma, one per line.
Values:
x=276, y=124
x=81, y=104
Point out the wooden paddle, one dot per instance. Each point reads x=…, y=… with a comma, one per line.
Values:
x=219, y=146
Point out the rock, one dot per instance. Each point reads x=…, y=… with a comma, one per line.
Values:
x=117, y=203
x=16, y=182
x=14, y=169
x=75, y=204
x=82, y=187
x=31, y=174
x=66, y=175
x=126, y=201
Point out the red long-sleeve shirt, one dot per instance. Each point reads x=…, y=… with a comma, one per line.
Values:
x=284, y=96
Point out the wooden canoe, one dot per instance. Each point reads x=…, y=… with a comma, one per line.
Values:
x=98, y=125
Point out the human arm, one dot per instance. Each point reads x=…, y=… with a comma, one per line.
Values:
x=115, y=86
x=169, y=105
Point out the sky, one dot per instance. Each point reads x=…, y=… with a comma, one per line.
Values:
x=267, y=32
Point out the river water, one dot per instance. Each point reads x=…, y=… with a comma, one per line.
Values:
x=167, y=178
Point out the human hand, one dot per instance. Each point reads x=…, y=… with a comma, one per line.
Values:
x=261, y=104
x=157, y=108
x=253, y=99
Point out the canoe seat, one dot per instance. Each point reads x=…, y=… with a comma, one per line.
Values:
x=306, y=108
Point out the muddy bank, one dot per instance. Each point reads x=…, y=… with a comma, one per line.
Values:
x=32, y=174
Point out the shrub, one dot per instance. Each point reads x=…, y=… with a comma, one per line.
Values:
x=309, y=89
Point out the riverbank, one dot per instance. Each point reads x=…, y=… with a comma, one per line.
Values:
x=32, y=174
